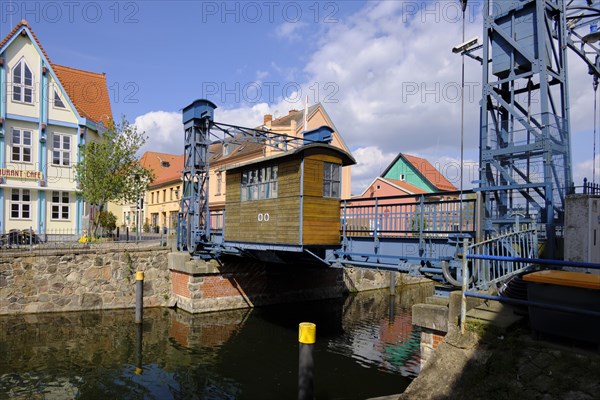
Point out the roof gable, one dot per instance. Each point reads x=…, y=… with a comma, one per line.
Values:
x=426, y=177
x=87, y=91
x=23, y=25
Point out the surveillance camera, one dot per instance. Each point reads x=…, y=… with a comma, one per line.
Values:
x=466, y=45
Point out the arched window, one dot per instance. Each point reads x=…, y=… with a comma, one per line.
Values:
x=22, y=79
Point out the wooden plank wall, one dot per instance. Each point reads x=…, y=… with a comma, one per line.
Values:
x=242, y=218
x=321, y=216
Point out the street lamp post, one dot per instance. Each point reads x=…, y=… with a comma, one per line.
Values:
x=137, y=206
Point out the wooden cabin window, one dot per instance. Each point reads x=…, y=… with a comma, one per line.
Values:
x=331, y=180
x=260, y=184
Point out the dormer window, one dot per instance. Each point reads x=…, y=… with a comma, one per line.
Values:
x=22, y=83
x=229, y=148
x=58, y=103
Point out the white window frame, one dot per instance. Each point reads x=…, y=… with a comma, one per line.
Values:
x=63, y=204
x=21, y=204
x=21, y=146
x=58, y=97
x=20, y=87
x=260, y=184
x=219, y=182
x=332, y=180
x=61, y=150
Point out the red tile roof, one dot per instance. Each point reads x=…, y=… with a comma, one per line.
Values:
x=87, y=90
x=430, y=173
x=166, y=167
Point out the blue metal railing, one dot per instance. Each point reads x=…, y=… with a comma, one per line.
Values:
x=432, y=215
x=503, y=256
x=498, y=258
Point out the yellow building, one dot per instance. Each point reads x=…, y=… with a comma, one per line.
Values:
x=163, y=196
x=45, y=120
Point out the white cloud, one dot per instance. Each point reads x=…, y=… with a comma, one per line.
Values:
x=261, y=75
x=585, y=169
x=387, y=77
x=164, y=130
x=290, y=31
x=370, y=162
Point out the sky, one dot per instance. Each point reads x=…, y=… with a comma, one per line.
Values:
x=383, y=70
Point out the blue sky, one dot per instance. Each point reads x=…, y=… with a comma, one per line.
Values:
x=383, y=70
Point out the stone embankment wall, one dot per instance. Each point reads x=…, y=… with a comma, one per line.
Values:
x=81, y=279
x=77, y=279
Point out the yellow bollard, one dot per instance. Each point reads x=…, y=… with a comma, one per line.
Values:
x=307, y=337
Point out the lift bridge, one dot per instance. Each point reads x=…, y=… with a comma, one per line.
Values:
x=524, y=161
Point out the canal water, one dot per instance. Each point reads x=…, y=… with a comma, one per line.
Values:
x=366, y=347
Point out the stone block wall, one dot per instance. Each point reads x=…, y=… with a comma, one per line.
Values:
x=79, y=279
x=82, y=279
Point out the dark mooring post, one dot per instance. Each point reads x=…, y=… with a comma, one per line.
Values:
x=392, y=283
x=139, y=296
x=139, y=337
x=307, y=336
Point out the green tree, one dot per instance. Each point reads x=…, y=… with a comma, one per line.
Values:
x=110, y=171
x=107, y=220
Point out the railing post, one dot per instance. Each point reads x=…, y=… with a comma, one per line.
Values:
x=376, y=217
x=344, y=223
x=465, y=283
x=421, y=223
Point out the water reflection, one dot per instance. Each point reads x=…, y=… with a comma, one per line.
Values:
x=366, y=347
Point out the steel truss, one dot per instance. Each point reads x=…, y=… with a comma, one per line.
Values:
x=525, y=151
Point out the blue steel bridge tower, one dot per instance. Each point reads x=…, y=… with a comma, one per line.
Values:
x=525, y=150
x=194, y=217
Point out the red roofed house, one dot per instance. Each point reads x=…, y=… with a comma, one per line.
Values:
x=408, y=175
x=47, y=113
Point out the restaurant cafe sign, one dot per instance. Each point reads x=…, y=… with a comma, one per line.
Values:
x=20, y=174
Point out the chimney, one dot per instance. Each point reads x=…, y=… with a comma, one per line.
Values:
x=268, y=118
